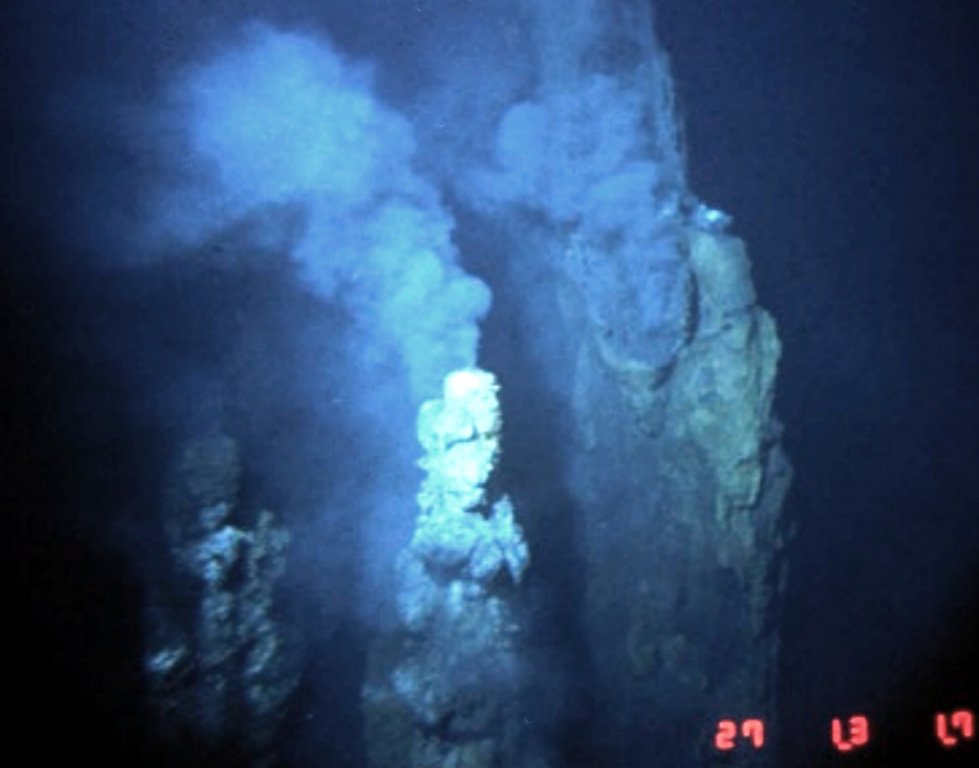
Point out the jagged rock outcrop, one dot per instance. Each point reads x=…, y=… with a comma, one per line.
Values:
x=443, y=690
x=220, y=666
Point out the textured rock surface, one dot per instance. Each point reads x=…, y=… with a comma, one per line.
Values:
x=442, y=690
x=220, y=669
x=680, y=478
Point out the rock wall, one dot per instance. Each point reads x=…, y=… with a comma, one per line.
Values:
x=679, y=476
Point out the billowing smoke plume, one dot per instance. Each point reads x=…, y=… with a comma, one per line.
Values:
x=282, y=133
